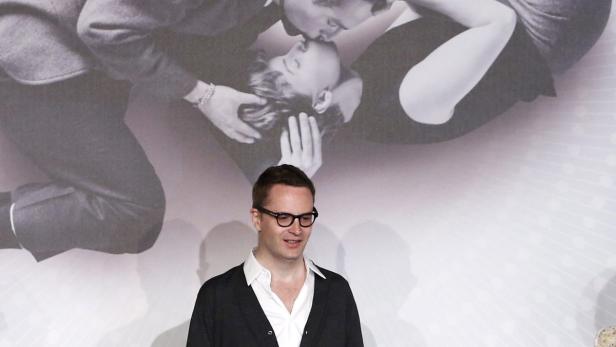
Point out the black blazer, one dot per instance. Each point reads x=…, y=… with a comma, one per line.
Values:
x=227, y=313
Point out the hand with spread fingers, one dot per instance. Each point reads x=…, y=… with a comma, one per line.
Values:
x=300, y=145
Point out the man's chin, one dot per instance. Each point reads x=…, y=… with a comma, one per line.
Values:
x=292, y=255
x=290, y=28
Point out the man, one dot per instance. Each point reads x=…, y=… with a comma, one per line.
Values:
x=66, y=69
x=277, y=297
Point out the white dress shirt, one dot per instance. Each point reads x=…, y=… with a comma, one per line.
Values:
x=288, y=327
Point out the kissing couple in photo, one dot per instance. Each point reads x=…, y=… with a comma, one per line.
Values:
x=431, y=77
x=67, y=68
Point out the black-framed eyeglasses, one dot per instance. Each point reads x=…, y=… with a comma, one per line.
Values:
x=287, y=219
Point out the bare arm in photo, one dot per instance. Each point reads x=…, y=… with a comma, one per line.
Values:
x=431, y=89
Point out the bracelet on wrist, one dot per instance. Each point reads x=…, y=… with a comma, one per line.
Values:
x=205, y=98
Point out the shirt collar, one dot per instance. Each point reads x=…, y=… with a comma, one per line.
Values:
x=268, y=2
x=252, y=268
x=310, y=266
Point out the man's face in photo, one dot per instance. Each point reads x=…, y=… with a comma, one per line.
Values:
x=284, y=243
x=322, y=20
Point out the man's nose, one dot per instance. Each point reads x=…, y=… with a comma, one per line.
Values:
x=296, y=229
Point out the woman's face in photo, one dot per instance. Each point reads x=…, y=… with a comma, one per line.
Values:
x=309, y=67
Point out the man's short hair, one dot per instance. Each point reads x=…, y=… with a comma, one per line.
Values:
x=283, y=174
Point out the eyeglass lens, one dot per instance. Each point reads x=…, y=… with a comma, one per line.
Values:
x=285, y=220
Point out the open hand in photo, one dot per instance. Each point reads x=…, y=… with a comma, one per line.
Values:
x=300, y=145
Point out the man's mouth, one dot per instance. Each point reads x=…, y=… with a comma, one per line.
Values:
x=293, y=242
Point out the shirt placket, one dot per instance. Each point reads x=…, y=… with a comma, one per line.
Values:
x=281, y=310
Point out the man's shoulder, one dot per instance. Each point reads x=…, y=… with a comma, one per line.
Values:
x=338, y=291
x=225, y=278
x=332, y=277
x=329, y=274
x=224, y=283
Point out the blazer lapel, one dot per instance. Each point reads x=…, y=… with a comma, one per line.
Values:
x=253, y=314
x=314, y=325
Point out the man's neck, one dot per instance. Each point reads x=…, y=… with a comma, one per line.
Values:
x=285, y=270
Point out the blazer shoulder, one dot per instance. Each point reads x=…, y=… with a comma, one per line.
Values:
x=226, y=280
x=331, y=274
x=335, y=279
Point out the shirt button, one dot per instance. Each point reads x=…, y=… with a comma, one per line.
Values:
x=306, y=332
x=270, y=332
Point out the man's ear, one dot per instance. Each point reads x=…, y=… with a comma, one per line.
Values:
x=255, y=215
x=322, y=101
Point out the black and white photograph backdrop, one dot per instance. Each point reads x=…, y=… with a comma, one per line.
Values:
x=464, y=160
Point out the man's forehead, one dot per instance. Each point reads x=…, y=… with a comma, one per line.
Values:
x=282, y=193
x=281, y=189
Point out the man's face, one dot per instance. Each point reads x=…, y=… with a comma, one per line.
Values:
x=283, y=243
x=322, y=22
